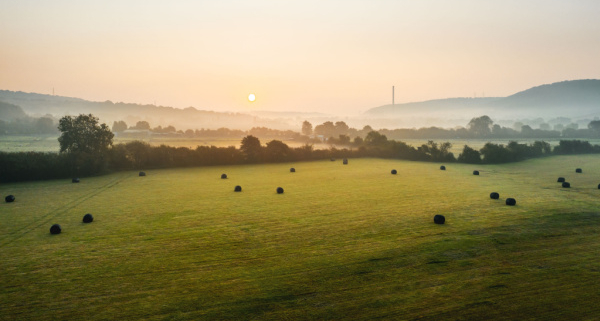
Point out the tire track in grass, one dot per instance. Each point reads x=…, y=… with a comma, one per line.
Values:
x=44, y=219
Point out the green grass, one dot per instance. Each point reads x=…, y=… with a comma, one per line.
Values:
x=342, y=242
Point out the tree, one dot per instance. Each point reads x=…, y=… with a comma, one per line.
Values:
x=277, y=150
x=341, y=128
x=83, y=134
x=141, y=125
x=594, y=126
x=251, y=148
x=307, y=128
x=327, y=129
x=469, y=155
x=480, y=126
x=375, y=139
x=119, y=126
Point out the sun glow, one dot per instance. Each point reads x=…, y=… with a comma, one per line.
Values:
x=251, y=97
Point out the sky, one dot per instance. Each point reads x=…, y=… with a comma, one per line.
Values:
x=331, y=56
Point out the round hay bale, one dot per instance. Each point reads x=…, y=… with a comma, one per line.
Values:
x=9, y=198
x=75, y=180
x=88, y=218
x=475, y=172
x=55, y=229
x=394, y=172
x=333, y=159
x=439, y=219
x=142, y=174
x=345, y=161
x=279, y=190
x=598, y=186
x=566, y=185
x=223, y=176
x=511, y=201
x=443, y=167
x=292, y=170
x=560, y=179
x=578, y=170
x=494, y=195
x=238, y=188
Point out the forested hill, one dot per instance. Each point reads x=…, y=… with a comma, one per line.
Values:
x=58, y=106
x=576, y=98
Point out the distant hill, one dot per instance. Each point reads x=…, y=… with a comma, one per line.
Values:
x=10, y=112
x=187, y=118
x=576, y=98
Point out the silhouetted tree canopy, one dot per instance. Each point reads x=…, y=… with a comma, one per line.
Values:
x=251, y=148
x=83, y=134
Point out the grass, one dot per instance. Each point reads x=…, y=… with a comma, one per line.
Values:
x=342, y=242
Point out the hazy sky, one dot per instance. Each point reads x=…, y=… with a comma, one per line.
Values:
x=326, y=56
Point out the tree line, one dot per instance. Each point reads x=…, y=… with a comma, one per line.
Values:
x=86, y=149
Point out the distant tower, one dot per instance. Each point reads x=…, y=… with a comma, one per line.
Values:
x=393, y=95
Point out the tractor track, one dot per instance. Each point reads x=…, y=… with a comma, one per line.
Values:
x=43, y=220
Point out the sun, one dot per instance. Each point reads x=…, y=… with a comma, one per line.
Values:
x=251, y=97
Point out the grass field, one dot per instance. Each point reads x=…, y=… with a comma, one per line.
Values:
x=343, y=242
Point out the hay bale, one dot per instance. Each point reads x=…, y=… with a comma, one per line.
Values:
x=75, y=180
x=9, y=198
x=598, y=186
x=443, y=167
x=578, y=170
x=345, y=161
x=223, y=176
x=511, y=201
x=142, y=174
x=55, y=229
x=333, y=159
x=494, y=195
x=566, y=185
x=394, y=172
x=292, y=170
x=439, y=219
x=475, y=172
x=88, y=218
x=238, y=188
x=279, y=190
x=560, y=179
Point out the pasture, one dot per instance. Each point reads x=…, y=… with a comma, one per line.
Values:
x=349, y=242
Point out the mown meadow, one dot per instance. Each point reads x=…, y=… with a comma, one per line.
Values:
x=342, y=242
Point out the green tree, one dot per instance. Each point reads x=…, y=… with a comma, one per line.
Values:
x=83, y=134
x=481, y=126
x=251, y=148
x=375, y=139
x=469, y=155
x=277, y=151
x=119, y=126
x=594, y=126
x=307, y=128
x=142, y=125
